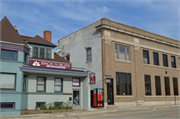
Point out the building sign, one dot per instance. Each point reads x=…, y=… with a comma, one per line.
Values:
x=49, y=64
x=76, y=82
x=92, y=78
x=107, y=80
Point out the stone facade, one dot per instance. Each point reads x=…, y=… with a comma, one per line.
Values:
x=138, y=40
x=110, y=33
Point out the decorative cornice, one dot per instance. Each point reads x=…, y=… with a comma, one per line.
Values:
x=14, y=48
x=15, y=44
x=136, y=35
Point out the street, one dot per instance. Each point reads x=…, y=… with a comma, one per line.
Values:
x=163, y=113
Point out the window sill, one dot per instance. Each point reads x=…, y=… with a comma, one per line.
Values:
x=162, y=96
x=88, y=61
x=123, y=61
x=161, y=66
x=123, y=96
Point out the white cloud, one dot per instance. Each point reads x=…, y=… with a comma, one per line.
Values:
x=104, y=9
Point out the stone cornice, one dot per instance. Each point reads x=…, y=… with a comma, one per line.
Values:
x=136, y=35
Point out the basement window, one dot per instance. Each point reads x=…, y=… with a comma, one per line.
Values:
x=7, y=105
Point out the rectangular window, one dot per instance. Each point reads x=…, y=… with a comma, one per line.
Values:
x=25, y=57
x=167, y=89
x=173, y=62
x=68, y=57
x=41, y=52
x=123, y=83
x=9, y=55
x=7, y=105
x=58, y=85
x=165, y=60
x=48, y=53
x=58, y=104
x=146, y=57
x=158, y=85
x=41, y=84
x=179, y=62
x=76, y=82
x=40, y=105
x=124, y=53
x=89, y=55
x=35, y=52
x=7, y=81
x=116, y=51
x=24, y=83
x=156, y=58
x=175, y=85
x=147, y=85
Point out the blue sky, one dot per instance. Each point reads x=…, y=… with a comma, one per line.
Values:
x=64, y=17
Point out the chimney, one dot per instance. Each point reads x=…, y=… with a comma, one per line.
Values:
x=47, y=35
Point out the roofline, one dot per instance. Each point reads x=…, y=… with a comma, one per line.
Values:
x=125, y=30
x=26, y=36
x=40, y=44
x=16, y=44
x=105, y=26
x=78, y=30
x=137, y=28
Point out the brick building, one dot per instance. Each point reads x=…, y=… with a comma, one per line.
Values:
x=142, y=68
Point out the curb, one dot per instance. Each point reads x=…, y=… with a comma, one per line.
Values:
x=87, y=112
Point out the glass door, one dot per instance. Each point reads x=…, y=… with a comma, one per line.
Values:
x=76, y=99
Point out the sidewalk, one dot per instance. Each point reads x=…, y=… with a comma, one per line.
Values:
x=93, y=111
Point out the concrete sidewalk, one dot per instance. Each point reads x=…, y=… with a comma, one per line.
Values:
x=93, y=111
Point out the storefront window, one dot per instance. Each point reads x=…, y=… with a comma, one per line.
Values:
x=167, y=89
x=175, y=85
x=123, y=83
x=147, y=85
x=158, y=85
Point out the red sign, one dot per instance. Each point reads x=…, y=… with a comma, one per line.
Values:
x=49, y=64
x=92, y=79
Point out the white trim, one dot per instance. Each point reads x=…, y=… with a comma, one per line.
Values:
x=124, y=96
x=143, y=46
x=123, y=61
x=161, y=66
x=161, y=96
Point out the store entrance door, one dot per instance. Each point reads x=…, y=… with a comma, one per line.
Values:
x=76, y=99
x=110, y=94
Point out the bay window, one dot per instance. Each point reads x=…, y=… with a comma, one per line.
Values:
x=9, y=55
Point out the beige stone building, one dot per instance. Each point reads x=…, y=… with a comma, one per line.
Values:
x=133, y=66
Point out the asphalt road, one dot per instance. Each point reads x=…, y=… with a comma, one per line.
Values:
x=163, y=113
